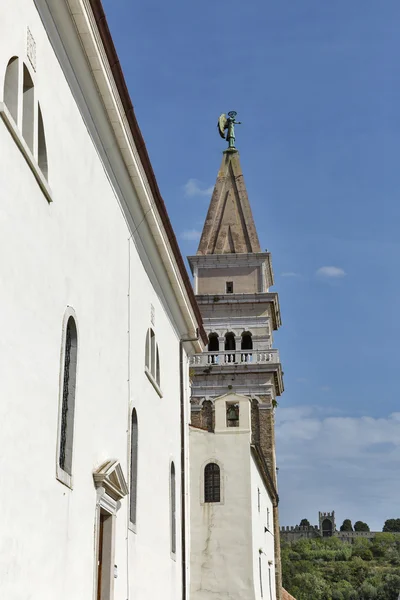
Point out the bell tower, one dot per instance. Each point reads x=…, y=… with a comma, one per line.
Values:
x=232, y=281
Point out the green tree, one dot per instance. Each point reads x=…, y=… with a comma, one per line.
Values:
x=391, y=587
x=346, y=525
x=304, y=523
x=368, y=591
x=361, y=526
x=383, y=544
x=391, y=525
x=311, y=585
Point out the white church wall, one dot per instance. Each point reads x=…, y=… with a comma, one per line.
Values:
x=75, y=252
x=263, y=537
x=221, y=561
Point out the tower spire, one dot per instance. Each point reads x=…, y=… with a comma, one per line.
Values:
x=229, y=226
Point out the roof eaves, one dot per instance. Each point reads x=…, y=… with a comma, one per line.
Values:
x=120, y=82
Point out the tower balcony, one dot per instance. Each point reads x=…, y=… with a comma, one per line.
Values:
x=235, y=357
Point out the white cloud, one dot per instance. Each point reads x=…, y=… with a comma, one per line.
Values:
x=330, y=272
x=290, y=274
x=193, y=187
x=329, y=462
x=191, y=235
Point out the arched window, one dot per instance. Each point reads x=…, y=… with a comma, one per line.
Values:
x=42, y=150
x=246, y=345
x=247, y=341
x=28, y=108
x=147, y=352
x=213, y=343
x=11, y=87
x=173, y=508
x=327, y=528
x=230, y=343
x=152, y=358
x=68, y=397
x=133, y=473
x=157, y=366
x=212, y=483
x=152, y=352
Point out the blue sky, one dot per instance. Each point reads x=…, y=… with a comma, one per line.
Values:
x=316, y=86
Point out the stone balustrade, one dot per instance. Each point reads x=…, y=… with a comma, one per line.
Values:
x=234, y=357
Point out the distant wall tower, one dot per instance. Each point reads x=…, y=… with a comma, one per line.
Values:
x=327, y=525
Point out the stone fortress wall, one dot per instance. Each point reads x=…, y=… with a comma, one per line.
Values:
x=326, y=528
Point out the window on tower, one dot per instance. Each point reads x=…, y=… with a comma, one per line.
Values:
x=229, y=287
x=232, y=415
x=212, y=483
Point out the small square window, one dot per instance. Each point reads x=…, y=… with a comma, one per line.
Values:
x=229, y=287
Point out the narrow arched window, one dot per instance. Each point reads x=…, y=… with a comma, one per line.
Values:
x=133, y=469
x=42, y=150
x=247, y=341
x=157, y=366
x=68, y=397
x=212, y=483
x=147, y=353
x=173, y=508
x=213, y=343
x=230, y=341
x=152, y=358
x=28, y=108
x=11, y=87
x=152, y=352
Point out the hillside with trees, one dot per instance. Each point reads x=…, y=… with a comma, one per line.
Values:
x=329, y=569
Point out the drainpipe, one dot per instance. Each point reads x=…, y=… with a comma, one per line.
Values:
x=183, y=456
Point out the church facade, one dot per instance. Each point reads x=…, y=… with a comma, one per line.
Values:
x=235, y=551
x=98, y=319
x=137, y=448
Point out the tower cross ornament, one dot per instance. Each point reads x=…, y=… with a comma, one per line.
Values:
x=227, y=123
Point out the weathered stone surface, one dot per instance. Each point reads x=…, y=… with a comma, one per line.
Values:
x=229, y=226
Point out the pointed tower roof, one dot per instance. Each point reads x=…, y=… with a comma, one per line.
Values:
x=229, y=226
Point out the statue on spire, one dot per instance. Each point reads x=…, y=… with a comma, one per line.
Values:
x=228, y=123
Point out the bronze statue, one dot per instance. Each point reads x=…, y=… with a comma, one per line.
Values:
x=228, y=123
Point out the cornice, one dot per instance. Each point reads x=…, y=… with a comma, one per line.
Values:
x=256, y=298
x=211, y=261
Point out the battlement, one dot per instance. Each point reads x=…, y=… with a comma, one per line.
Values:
x=285, y=528
x=326, y=528
x=327, y=515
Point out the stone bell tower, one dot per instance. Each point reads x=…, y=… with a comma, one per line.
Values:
x=232, y=280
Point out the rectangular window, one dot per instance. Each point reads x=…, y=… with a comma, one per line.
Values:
x=258, y=499
x=268, y=518
x=259, y=568
x=229, y=287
